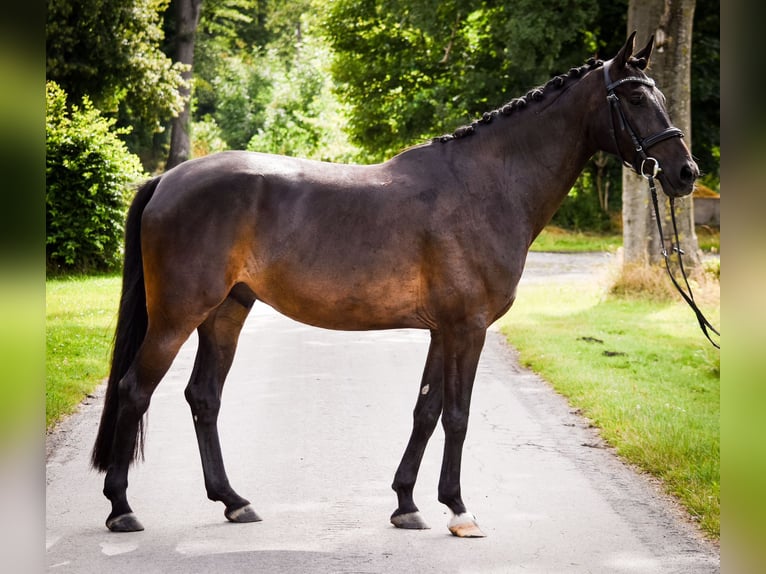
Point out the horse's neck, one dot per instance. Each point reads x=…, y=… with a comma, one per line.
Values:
x=537, y=153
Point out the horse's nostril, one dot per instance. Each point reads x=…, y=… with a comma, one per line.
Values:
x=688, y=173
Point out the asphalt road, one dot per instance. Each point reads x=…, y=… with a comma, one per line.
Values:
x=313, y=425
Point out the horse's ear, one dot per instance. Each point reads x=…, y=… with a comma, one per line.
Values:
x=622, y=57
x=644, y=54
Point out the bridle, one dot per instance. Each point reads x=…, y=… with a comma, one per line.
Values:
x=649, y=168
x=641, y=145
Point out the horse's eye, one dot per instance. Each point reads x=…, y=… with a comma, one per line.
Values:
x=636, y=98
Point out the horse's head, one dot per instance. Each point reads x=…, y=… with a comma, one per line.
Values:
x=641, y=132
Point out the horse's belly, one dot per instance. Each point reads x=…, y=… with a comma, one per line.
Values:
x=355, y=303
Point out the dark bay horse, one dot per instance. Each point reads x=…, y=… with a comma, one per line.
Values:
x=435, y=238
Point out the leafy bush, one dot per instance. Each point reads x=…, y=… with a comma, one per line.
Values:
x=303, y=117
x=207, y=137
x=235, y=99
x=89, y=171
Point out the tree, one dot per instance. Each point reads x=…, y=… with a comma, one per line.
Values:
x=187, y=18
x=261, y=81
x=671, y=23
x=302, y=117
x=109, y=51
x=412, y=70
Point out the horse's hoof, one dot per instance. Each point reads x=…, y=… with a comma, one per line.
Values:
x=464, y=526
x=242, y=514
x=124, y=523
x=409, y=521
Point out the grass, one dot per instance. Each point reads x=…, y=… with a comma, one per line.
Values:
x=641, y=371
x=555, y=239
x=80, y=319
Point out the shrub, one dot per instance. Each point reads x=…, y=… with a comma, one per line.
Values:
x=89, y=171
x=303, y=117
x=207, y=137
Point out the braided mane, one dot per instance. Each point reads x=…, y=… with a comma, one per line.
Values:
x=535, y=95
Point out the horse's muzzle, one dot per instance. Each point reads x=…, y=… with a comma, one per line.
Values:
x=680, y=183
x=689, y=173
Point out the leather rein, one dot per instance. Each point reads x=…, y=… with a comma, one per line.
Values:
x=649, y=168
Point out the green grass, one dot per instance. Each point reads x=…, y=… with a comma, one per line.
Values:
x=80, y=319
x=555, y=239
x=641, y=371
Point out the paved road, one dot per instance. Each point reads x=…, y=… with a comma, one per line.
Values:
x=313, y=425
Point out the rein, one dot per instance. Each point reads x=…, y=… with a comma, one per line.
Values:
x=687, y=295
x=641, y=145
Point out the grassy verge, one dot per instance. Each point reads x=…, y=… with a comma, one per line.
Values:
x=80, y=319
x=641, y=371
x=555, y=239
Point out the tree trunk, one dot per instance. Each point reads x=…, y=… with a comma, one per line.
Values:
x=670, y=65
x=187, y=19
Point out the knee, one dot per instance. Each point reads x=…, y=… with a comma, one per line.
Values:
x=455, y=423
x=426, y=418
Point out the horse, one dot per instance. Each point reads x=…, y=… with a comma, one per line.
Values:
x=434, y=238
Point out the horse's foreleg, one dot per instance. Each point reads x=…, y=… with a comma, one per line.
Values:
x=462, y=350
x=425, y=417
x=135, y=390
x=218, y=337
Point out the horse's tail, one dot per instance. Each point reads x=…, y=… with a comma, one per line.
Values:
x=132, y=322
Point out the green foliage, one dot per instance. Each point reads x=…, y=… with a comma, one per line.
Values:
x=236, y=97
x=302, y=118
x=275, y=98
x=109, y=51
x=413, y=70
x=581, y=209
x=88, y=172
x=206, y=137
x=231, y=84
x=225, y=75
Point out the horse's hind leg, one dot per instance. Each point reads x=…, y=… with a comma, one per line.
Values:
x=425, y=417
x=152, y=361
x=218, y=337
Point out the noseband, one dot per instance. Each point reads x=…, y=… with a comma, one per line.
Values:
x=641, y=161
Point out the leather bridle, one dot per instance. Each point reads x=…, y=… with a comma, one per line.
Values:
x=641, y=146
